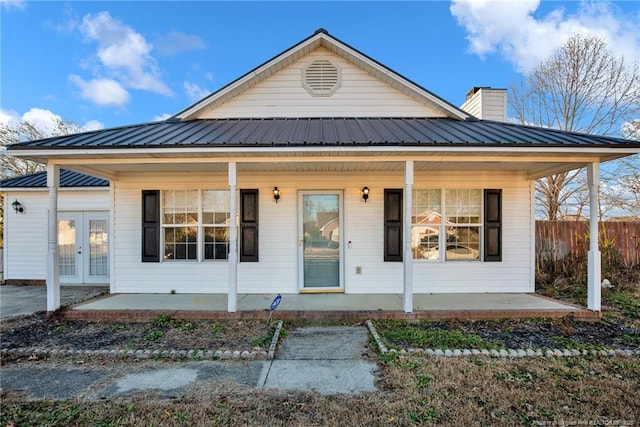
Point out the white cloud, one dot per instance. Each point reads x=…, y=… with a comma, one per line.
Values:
x=13, y=4
x=104, y=92
x=92, y=125
x=512, y=29
x=44, y=121
x=8, y=117
x=162, y=117
x=124, y=54
x=194, y=92
x=176, y=42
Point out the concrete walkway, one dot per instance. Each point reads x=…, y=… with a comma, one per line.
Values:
x=325, y=360
x=322, y=360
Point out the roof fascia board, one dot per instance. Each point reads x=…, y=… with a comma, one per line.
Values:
x=270, y=151
x=340, y=48
x=45, y=189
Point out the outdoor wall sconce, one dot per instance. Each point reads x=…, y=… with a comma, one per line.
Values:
x=17, y=206
x=276, y=194
x=365, y=193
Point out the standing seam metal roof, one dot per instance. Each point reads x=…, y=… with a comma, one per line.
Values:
x=67, y=179
x=323, y=132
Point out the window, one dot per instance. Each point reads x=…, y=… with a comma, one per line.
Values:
x=216, y=219
x=446, y=224
x=195, y=224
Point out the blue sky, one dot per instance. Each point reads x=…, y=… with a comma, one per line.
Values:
x=106, y=64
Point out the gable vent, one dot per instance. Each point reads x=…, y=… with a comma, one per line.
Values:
x=321, y=78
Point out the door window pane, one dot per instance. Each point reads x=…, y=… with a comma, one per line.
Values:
x=98, y=246
x=321, y=230
x=67, y=247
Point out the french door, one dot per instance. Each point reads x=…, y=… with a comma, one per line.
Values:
x=83, y=247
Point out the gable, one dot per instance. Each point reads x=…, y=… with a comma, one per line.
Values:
x=287, y=94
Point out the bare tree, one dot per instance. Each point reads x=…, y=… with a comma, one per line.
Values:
x=25, y=131
x=582, y=87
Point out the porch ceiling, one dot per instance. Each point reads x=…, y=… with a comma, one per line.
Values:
x=530, y=167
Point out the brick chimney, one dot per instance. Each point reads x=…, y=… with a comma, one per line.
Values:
x=486, y=103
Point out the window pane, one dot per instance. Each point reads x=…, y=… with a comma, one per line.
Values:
x=215, y=207
x=216, y=242
x=180, y=207
x=426, y=219
x=463, y=243
x=180, y=243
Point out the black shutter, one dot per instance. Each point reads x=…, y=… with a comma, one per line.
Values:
x=150, y=225
x=493, y=225
x=393, y=224
x=248, y=225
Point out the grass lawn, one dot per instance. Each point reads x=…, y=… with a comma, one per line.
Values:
x=412, y=391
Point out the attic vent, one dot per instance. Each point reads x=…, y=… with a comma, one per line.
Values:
x=321, y=78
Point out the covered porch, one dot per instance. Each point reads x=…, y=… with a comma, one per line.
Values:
x=349, y=307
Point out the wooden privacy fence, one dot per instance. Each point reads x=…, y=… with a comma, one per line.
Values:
x=558, y=240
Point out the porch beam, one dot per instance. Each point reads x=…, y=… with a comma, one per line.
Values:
x=407, y=256
x=232, y=294
x=53, y=268
x=594, y=256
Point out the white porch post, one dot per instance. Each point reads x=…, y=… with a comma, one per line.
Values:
x=594, y=260
x=407, y=256
x=53, y=269
x=232, y=294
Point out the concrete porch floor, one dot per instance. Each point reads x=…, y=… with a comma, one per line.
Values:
x=325, y=306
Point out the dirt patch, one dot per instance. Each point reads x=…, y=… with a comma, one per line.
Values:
x=567, y=333
x=164, y=333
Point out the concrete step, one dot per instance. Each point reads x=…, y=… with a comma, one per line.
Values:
x=324, y=343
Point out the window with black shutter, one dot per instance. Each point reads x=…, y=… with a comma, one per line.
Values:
x=393, y=224
x=248, y=225
x=492, y=225
x=150, y=226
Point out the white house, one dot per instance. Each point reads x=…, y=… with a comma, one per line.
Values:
x=308, y=174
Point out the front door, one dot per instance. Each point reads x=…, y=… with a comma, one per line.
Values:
x=320, y=241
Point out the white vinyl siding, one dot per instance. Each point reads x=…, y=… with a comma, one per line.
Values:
x=26, y=233
x=284, y=95
x=276, y=272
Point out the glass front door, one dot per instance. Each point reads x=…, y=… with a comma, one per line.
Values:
x=320, y=240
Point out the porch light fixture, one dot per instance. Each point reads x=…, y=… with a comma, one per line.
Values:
x=276, y=194
x=17, y=206
x=365, y=193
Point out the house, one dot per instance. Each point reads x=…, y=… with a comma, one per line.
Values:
x=309, y=174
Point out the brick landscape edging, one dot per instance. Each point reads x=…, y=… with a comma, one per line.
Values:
x=505, y=353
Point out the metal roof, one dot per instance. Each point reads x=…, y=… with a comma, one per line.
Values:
x=67, y=179
x=305, y=132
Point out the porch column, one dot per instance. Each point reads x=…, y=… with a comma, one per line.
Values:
x=232, y=294
x=407, y=256
x=594, y=260
x=53, y=268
